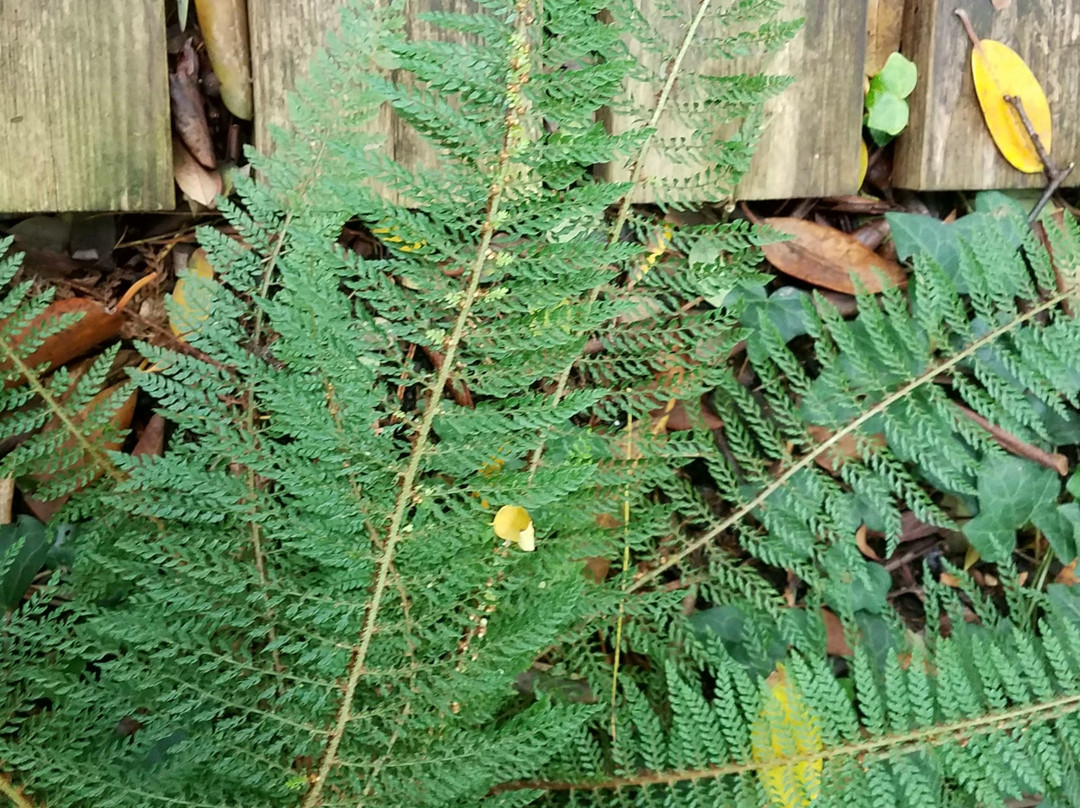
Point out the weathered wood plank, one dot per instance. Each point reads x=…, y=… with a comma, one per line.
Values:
x=884, y=26
x=810, y=142
x=84, y=108
x=946, y=145
x=285, y=36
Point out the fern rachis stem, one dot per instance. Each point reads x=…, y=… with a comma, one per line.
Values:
x=518, y=75
x=635, y=175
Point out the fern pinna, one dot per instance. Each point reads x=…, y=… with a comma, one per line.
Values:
x=303, y=602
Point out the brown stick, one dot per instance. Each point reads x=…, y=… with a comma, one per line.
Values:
x=1054, y=175
x=1011, y=443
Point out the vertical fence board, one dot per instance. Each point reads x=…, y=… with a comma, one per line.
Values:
x=285, y=36
x=84, y=106
x=946, y=145
x=809, y=146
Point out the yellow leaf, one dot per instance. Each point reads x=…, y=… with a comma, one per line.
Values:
x=190, y=313
x=513, y=523
x=787, y=729
x=864, y=161
x=224, y=25
x=998, y=71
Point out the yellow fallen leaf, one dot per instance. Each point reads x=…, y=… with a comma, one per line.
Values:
x=787, y=728
x=513, y=523
x=190, y=314
x=864, y=161
x=998, y=71
x=224, y=26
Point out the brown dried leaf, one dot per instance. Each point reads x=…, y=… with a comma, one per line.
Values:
x=93, y=328
x=152, y=440
x=825, y=257
x=847, y=448
x=188, y=111
x=1067, y=575
x=198, y=183
x=835, y=641
x=864, y=546
x=224, y=25
x=674, y=417
x=44, y=510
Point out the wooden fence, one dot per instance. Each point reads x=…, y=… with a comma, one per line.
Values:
x=84, y=103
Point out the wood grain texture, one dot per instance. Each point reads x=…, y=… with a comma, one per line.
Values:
x=947, y=145
x=84, y=106
x=810, y=142
x=884, y=26
x=285, y=36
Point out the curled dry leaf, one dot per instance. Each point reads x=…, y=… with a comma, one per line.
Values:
x=188, y=110
x=200, y=184
x=864, y=545
x=998, y=71
x=825, y=257
x=224, y=25
x=94, y=327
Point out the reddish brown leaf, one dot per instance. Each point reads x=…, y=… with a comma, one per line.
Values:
x=827, y=258
x=674, y=417
x=188, y=111
x=847, y=448
x=94, y=327
x=835, y=641
x=596, y=568
x=1067, y=575
x=152, y=439
x=200, y=184
x=44, y=510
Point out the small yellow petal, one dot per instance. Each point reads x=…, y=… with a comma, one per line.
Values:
x=510, y=521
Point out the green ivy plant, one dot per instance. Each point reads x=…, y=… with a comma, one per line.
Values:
x=886, y=100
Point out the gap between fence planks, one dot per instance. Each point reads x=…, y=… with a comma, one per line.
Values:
x=84, y=106
x=946, y=145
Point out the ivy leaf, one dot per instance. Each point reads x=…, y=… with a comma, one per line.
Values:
x=23, y=549
x=897, y=77
x=1012, y=492
x=887, y=114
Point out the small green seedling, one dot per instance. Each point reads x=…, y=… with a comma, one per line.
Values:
x=886, y=104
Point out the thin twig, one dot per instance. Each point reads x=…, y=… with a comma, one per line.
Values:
x=636, y=169
x=1054, y=175
x=14, y=794
x=1011, y=443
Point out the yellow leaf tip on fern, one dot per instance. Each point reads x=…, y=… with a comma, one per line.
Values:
x=785, y=729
